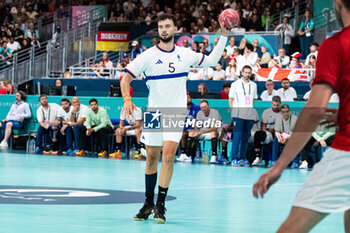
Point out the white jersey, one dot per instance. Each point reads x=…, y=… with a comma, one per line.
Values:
x=266, y=97
x=165, y=73
x=289, y=95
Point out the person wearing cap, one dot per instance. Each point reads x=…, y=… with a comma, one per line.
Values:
x=136, y=49
x=286, y=92
x=296, y=58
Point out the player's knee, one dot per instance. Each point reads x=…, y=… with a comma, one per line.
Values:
x=168, y=159
x=9, y=125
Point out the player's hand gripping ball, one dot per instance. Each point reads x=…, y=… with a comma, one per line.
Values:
x=230, y=18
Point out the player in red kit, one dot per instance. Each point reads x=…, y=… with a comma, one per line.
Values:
x=327, y=188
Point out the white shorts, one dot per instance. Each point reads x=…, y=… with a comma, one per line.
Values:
x=327, y=188
x=157, y=138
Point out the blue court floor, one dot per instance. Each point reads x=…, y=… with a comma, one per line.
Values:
x=52, y=194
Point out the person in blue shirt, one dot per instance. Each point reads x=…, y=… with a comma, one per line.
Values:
x=193, y=109
x=306, y=33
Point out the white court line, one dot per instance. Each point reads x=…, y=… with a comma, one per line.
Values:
x=223, y=187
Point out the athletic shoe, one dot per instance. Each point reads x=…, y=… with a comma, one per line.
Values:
x=144, y=212
x=245, y=163
x=74, y=152
x=54, y=152
x=213, y=159
x=102, y=154
x=294, y=165
x=4, y=145
x=80, y=153
x=304, y=165
x=159, y=213
x=257, y=162
x=271, y=163
x=235, y=163
x=47, y=152
x=117, y=155
x=144, y=152
x=38, y=150
x=138, y=156
x=67, y=152
x=184, y=158
x=222, y=160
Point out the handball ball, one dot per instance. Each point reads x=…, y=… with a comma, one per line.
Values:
x=230, y=18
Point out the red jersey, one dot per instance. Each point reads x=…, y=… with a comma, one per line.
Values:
x=333, y=67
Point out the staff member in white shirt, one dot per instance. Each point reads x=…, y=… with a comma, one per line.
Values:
x=46, y=115
x=66, y=131
x=241, y=99
x=14, y=119
x=286, y=92
x=269, y=92
x=77, y=120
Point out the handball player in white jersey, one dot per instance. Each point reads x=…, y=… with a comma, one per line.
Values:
x=165, y=68
x=327, y=188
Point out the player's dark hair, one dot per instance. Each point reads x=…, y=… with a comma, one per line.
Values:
x=204, y=101
x=167, y=16
x=315, y=44
x=285, y=79
x=65, y=100
x=226, y=85
x=346, y=4
x=93, y=100
x=276, y=99
x=247, y=67
x=41, y=96
x=286, y=17
x=23, y=95
x=250, y=47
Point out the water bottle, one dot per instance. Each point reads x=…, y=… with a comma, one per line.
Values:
x=64, y=90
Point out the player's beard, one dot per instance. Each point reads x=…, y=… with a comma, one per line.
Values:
x=167, y=39
x=338, y=16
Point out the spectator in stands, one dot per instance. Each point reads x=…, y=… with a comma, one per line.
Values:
x=99, y=125
x=238, y=29
x=18, y=34
x=65, y=137
x=235, y=53
x=242, y=94
x=207, y=47
x=311, y=62
x=249, y=58
x=3, y=89
x=270, y=92
x=266, y=57
x=219, y=73
x=77, y=119
x=267, y=132
x=155, y=41
x=13, y=45
x=32, y=34
x=106, y=63
x=194, y=74
x=95, y=71
x=226, y=89
x=284, y=126
x=313, y=51
x=224, y=60
x=117, y=13
x=193, y=109
x=274, y=63
x=136, y=49
x=286, y=92
x=46, y=115
x=206, y=114
x=242, y=45
x=232, y=71
x=54, y=43
x=132, y=128
x=254, y=24
x=266, y=19
x=201, y=28
x=7, y=88
x=5, y=53
x=185, y=44
x=283, y=59
x=58, y=83
x=15, y=118
x=203, y=90
x=229, y=48
x=286, y=32
x=257, y=48
x=67, y=74
x=306, y=33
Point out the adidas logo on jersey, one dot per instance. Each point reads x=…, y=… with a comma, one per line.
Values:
x=159, y=62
